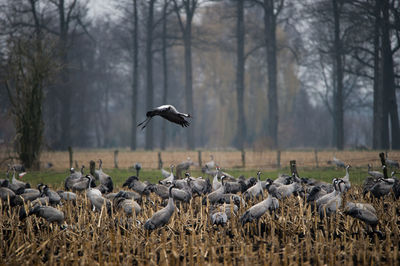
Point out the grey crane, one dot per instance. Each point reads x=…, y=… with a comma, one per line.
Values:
x=346, y=180
x=168, y=112
x=54, y=198
x=165, y=173
x=335, y=202
x=17, y=184
x=216, y=183
x=285, y=191
x=235, y=186
x=221, y=215
x=96, y=199
x=231, y=198
x=211, y=164
x=29, y=194
x=338, y=162
x=164, y=193
x=161, y=217
x=138, y=186
x=251, y=181
x=215, y=196
x=256, y=190
x=219, y=218
x=183, y=166
x=6, y=194
x=392, y=163
x=104, y=178
x=138, y=167
x=123, y=201
x=256, y=211
x=327, y=197
x=73, y=178
x=127, y=194
x=50, y=214
x=313, y=193
x=283, y=179
x=374, y=174
x=170, y=178
x=199, y=186
x=82, y=183
x=362, y=211
x=67, y=195
x=382, y=187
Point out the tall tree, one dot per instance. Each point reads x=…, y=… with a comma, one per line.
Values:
x=240, y=36
x=338, y=76
x=271, y=12
x=189, y=7
x=388, y=76
x=71, y=18
x=30, y=64
x=149, y=71
x=135, y=76
x=380, y=130
x=165, y=70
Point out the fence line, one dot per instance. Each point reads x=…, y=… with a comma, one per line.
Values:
x=271, y=159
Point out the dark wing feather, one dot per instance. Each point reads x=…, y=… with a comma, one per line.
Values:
x=175, y=118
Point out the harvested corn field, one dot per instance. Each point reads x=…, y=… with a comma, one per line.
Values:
x=290, y=235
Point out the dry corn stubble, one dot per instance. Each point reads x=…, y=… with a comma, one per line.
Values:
x=294, y=236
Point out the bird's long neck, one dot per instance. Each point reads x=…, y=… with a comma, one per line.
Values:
x=347, y=176
x=268, y=199
x=13, y=177
x=215, y=178
x=170, y=204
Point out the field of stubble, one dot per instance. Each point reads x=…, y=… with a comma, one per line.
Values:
x=291, y=235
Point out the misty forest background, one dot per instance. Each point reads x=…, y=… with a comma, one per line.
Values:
x=253, y=74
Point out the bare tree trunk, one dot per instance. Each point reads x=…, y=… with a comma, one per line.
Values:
x=165, y=73
x=65, y=90
x=135, y=76
x=378, y=115
x=273, y=108
x=241, y=119
x=338, y=95
x=189, y=80
x=149, y=72
x=388, y=77
x=189, y=7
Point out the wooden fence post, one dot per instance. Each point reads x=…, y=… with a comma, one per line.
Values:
x=293, y=168
x=116, y=158
x=200, y=162
x=278, y=159
x=70, y=156
x=316, y=158
x=160, y=162
x=383, y=161
x=243, y=159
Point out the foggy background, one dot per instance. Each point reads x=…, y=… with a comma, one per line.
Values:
x=89, y=97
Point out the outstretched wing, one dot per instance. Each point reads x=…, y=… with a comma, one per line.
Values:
x=175, y=118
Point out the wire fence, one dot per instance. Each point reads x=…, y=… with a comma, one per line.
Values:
x=270, y=159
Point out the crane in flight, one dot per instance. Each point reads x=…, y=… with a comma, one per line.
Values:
x=168, y=112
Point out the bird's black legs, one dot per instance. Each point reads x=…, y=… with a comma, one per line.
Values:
x=145, y=122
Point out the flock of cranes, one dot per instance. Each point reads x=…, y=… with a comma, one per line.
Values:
x=222, y=194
